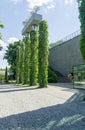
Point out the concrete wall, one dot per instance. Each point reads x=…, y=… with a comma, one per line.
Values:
x=62, y=57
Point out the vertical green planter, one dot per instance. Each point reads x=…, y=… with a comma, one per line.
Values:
x=43, y=54
x=34, y=58
x=82, y=20
x=27, y=61
x=18, y=65
x=22, y=49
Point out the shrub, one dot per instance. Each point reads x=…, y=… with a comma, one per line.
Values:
x=83, y=98
x=6, y=75
x=52, y=77
x=2, y=77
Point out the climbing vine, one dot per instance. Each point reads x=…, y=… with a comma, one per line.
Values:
x=22, y=62
x=17, y=65
x=43, y=54
x=34, y=58
x=27, y=61
x=82, y=20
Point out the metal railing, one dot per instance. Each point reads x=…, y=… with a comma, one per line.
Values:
x=71, y=36
x=67, y=38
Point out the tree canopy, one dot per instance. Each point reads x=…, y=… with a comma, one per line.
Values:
x=1, y=26
x=10, y=55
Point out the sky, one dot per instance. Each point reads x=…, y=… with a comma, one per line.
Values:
x=62, y=17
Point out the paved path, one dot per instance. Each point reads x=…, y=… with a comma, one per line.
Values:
x=58, y=107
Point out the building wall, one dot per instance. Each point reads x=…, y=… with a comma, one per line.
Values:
x=62, y=57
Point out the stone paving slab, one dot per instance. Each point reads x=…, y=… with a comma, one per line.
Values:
x=54, y=108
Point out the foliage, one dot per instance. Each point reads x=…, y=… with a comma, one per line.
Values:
x=1, y=26
x=6, y=75
x=1, y=47
x=22, y=49
x=43, y=54
x=17, y=65
x=52, y=77
x=34, y=57
x=20, y=63
x=83, y=98
x=10, y=55
x=1, y=77
x=27, y=61
x=82, y=20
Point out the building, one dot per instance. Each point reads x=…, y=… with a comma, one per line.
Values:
x=63, y=56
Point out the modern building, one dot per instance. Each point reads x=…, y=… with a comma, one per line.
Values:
x=64, y=56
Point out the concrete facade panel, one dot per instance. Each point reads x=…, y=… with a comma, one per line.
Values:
x=62, y=57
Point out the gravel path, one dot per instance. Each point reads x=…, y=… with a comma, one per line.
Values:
x=58, y=107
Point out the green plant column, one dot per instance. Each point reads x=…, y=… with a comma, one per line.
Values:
x=34, y=57
x=43, y=54
x=18, y=65
x=6, y=75
x=22, y=49
x=82, y=20
x=27, y=60
x=24, y=61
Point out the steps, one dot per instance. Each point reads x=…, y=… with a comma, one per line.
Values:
x=61, y=78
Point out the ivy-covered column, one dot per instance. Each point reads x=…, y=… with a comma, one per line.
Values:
x=22, y=62
x=27, y=60
x=82, y=20
x=34, y=56
x=43, y=54
x=18, y=65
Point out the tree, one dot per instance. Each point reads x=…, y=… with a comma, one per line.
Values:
x=10, y=55
x=6, y=75
x=34, y=57
x=1, y=26
x=82, y=20
x=43, y=54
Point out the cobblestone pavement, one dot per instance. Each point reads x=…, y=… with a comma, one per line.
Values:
x=58, y=107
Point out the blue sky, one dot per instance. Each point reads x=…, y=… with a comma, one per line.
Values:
x=61, y=15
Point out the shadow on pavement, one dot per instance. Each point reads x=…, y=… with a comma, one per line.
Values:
x=57, y=117
x=67, y=116
x=62, y=85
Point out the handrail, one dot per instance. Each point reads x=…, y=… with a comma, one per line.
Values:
x=67, y=38
x=71, y=36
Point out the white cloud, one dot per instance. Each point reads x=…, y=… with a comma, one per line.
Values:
x=49, y=3
x=68, y=2
x=51, y=6
x=2, y=43
x=12, y=39
x=33, y=3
